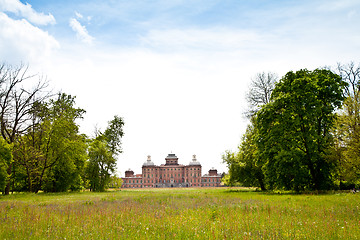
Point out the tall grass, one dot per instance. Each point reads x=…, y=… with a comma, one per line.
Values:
x=179, y=214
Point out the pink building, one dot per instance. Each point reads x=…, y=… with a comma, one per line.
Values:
x=171, y=174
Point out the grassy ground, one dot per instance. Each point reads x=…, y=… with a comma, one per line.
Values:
x=180, y=214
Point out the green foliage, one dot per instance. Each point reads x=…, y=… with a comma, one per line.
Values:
x=115, y=182
x=245, y=166
x=231, y=178
x=52, y=153
x=100, y=165
x=5, y=159
x=102, y=152
x=113, y=134
x=347, y=133
x=294, y=130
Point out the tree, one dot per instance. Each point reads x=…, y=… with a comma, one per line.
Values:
x=260, y=91
x=51, y=153
x=16, y=103
x=5, y=160
x=294, y=130
x=245, y=166
x=113, y=135
x=115, y=181
x=347, y=132
x=102, y=155
x=351, y=75
x=347, y=139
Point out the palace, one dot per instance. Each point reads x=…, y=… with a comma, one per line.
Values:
x=171, y=174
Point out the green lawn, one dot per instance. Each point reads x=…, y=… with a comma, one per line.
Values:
x=219, y=213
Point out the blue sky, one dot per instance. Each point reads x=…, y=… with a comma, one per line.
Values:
x=177, y=71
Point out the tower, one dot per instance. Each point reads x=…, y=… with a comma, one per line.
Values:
x=171, y=159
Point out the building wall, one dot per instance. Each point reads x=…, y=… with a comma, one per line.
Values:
x=211, y=181
x=132, y=182
x=171, y=174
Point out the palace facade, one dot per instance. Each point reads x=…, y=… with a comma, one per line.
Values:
x=171, y=174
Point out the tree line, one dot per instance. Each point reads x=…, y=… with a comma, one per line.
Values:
x=41, y=148
x=304, y=132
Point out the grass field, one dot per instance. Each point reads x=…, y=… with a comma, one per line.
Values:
x=219, y=213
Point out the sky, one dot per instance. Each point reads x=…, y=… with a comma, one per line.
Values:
x=176, y=71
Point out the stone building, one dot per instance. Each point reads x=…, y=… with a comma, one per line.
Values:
x=171, y=174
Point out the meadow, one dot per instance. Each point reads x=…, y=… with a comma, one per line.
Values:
x=213, y=213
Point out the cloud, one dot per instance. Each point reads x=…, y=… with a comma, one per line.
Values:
x=22, y=42
x=26, y=11
x=80, y=31
x=78, y=15
x=214, y=39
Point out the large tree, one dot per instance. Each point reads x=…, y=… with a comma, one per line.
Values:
x=245, y=166
x=16, y=100
x=294, y=129
x=52, y=153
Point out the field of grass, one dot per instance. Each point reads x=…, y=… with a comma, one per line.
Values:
x=219, y=213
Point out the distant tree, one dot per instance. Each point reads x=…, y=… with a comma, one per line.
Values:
x=102, y=155
x=245, y=166
x=16, y=104
x=260, y=91
x=294, y=130
x=347, y=143
x=351, y=75
x=113, y=134
x=100, y=166
x=347, y=131
x=232, y=177
x=115, y=181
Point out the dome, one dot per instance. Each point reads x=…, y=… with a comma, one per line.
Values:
x=148, y=162
x=194, y=161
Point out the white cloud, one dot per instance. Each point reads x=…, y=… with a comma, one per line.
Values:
x=215, y=39
x=338, y=5
x=78, y=15
x=80, y=31
x=22, y=42
x=26, y=11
